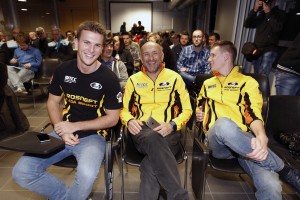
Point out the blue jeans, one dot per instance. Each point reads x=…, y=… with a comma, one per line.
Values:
x=264, y=63
x=287, y=83
x=225, y=137
x=30, y=171
x=188, y=79
x=16, y=77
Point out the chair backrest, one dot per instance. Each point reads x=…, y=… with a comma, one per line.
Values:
x=283, y=115
x=262, y=80
x=49, y=66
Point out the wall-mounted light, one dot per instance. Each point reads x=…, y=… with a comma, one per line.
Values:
x=22, y=0
x=47, y=13
x=24, y=9
x=297, y=13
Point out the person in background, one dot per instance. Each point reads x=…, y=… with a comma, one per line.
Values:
x=268, y=21
x=42, y=43
x=205, y=41
x=288, y=70
x=175, y=40
x=212, y=38
x=70, y=36
x=193, y=59
x=140, y=28
x=123, y=28
x=184, y=41
x=233, y=124
x=59, y=48
x=25, y=62
x=92, y=100
x=117, y=66
x=2, y=38
x=120, y=53
x=134, y=49
x=146, y=95
x=9, y=47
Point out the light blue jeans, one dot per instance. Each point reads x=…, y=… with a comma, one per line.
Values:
x=225, y=137
x=30, y=172
x=188, y=79
x=16, y=77
x=287, y=83
x=263, y=65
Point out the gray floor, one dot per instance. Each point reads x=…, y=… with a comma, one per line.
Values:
x=219, y=185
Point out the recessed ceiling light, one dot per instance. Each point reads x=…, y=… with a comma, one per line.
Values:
x=297, y=13
x=47, y=13
x=24, y=9
x=22, y=0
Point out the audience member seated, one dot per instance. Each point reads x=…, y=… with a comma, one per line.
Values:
x=120, y=53
x=70, y=36
x=175, y=40
x=2, y=38
x=212, y=38
x=193, y=59
x=24, y=64
x=43, y=41
x=205, y=41
x=10, y=46
x=183, y=42
x=134, y=49
x=33, y=39
x=117, y=66
x=59, y=48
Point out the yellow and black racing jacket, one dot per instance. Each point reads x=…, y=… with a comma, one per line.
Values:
x=236, y=97
x=165, y=100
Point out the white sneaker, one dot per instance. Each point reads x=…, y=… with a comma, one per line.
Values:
x=21, y=91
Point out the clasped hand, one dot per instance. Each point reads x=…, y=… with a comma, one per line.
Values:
x=135, y=126
x=65, y=130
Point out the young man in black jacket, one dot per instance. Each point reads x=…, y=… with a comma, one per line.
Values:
x=268, y=21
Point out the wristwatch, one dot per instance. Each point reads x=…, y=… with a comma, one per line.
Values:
x=173, y=124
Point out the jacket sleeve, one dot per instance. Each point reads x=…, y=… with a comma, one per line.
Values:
x=253, y=101
x=186, y=113
x=125, y=113
x=253, y=19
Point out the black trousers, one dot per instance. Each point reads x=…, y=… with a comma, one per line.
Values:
x=159, y=166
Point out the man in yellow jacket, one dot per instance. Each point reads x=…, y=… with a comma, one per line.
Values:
x=229, y=104
x=159, y=93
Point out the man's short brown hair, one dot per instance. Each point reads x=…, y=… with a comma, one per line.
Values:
x=91, y=26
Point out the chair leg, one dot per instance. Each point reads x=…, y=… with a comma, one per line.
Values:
x=185, y=171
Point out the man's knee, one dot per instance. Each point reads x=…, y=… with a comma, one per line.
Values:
x=23, y=173
x=223, y=127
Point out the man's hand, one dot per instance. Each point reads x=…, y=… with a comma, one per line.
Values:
x=64, y=127
x=27, y=65
x=199, y=114
x=13, y=61
x=260, y=148
x=164, y=129
x=70, y=139
x=135, y=126
x=257, y=5
x=183, y=69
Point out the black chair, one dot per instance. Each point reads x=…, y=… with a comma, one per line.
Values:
x=45, y=73
x=202, y=158
x=111, y=146
x=131, y=156
x=283, y=117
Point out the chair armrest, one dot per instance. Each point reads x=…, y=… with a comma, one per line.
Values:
x=199, y=165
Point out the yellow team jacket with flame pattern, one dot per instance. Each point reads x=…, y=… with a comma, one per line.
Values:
x=236, y=97
x=165, y=100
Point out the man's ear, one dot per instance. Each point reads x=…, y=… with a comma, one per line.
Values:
x=226, y=56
